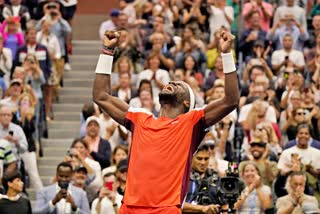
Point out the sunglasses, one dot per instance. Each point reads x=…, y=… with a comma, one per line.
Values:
x=260, y=144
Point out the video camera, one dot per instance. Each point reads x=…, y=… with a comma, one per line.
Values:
x=229, y=187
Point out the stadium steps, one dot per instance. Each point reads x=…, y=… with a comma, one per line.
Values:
x=65, y=127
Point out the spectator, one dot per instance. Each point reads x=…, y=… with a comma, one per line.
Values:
x=110, y=24
x=19, y=10
x=12, y=37
x=256, y=197
x=7, y=158
x=287, y=57
x=68, y=10
x=215, y=74
x=123, y=65
x=121, y=174
x=125, y=92
x=251, y=35
x=62, y=196
x=296, y=201
x=291, y=8
x=120, y=152
x=5, y=64
x=13, y=199
x=109, y=200
x=259, y=154
x=288, y=25
x=99, y=149
x=312, y=142
x=264, y=9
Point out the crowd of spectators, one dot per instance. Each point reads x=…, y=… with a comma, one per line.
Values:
x=273, y=135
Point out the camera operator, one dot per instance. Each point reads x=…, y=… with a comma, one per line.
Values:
x=200, y=174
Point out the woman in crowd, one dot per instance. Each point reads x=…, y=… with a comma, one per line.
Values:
x=256, y=197
x=119, y=153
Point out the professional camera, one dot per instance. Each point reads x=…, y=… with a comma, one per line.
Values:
x=230, y=187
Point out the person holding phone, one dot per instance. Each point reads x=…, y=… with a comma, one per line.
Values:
x=62, y=197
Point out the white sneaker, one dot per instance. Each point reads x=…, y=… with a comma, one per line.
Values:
x=67, y=67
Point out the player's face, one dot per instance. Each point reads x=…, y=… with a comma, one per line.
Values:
x=200, y=161
x=174, y=92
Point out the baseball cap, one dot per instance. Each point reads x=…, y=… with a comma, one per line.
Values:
x=81, y=169
x=114, y=13
x=122, y=165
x=93, y=118
x=15, y=81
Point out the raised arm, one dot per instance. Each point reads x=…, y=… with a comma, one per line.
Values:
x=101, y=91
x=218, y=109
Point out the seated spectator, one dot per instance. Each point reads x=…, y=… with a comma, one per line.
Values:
x=79, y=157
x=251, y=35
x=256, y=67
x=99, y=149
x=288, y=25
x=7, y=159
x=256, y=197
x=5, y=64
x=311, y=141
x=260, y=53
x=12, y=37
x=264, y=9
x=155, y=74
x=259, y=154
x=121, y=173
x=287, y=57
x=119, y=153
x=296, y=201
x=293, y=8
x=62, y=196
x=17, y=9
x=110, y=24
x=79, y=177
x=192, y=70
x=13, y=200
x=292, y=83
x=125, y=91
x=109, y=200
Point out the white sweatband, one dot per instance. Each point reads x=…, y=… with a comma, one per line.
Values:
x=192, y=97
x=228, y=63
x=104, y=65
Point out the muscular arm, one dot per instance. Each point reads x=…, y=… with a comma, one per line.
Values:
x=217, y=110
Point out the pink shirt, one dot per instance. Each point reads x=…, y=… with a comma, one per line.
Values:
x=264, y=23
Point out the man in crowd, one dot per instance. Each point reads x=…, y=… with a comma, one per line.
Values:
x=62, y=197
x=7, y=158
x=150, y=135
x=312, y=142
x=200, y=171
x=296, y=201
x=13, y=201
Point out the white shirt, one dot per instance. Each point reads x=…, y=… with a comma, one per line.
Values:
x=107, y=25
x=295, y=56
x=68, y=3
x=218, y=19
x=5, y=66
x=51, y=42
x=106, y=205
x=308, y=156
x=244, y=111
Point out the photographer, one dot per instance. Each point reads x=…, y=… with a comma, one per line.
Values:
x=196, y=193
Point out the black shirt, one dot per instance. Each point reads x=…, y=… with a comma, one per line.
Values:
x=20, y=206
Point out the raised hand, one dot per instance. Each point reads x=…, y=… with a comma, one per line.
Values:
x=226, y=41
x=111, y=39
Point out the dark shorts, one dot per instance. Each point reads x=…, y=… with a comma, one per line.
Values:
x=68, y=12
x=126, y=209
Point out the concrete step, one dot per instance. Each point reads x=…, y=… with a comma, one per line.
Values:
x=62, y=143
x=65, y=107
x=79, y=74
x=58, y=134
x=75, y=91
x=47, y=170
x=85, y=44
x=80, y=66
x=63, y=124
x=84, y=58
x=88, y=50
x=77, y=82
x=76, y=99
x=69, y=116
x=51, y=161
x=55, y=152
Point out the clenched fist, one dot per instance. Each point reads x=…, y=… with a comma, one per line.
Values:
x=111, y=39
x=226, y=41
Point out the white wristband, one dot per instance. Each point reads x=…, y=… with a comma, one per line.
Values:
x=228, y=63
x=104, y=65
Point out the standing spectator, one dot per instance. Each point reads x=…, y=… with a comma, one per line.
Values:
x=296, y=201
x=264, y=9
x=220, y=15
x=13, y=200
x=7, y=158
x=68, y=10
x=251, y=35
x=99, y=149
x=291, y=8
x=12, y=37
x=17, y=9
x=62, y=197
x=125, y=91
x=256, y=197
x=5, y=63
x=288, y=25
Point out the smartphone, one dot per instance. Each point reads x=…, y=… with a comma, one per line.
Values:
x=286, y=57
x=63, y=185
x=11, y=133
x=108, y=185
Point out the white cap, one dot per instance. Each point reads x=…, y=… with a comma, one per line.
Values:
x=93, y=118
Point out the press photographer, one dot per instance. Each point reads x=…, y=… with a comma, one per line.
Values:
x=201, y=191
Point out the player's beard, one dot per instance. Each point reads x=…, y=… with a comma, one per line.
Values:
x=168, y=98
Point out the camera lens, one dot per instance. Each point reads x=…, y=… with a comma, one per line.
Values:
x=229, y=186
